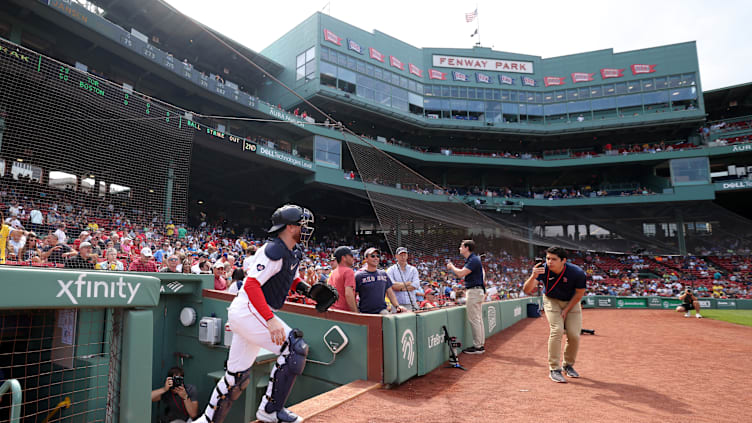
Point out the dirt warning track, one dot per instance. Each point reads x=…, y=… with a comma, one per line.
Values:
x=641, y=366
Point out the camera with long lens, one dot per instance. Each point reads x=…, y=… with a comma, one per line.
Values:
x=177, y=381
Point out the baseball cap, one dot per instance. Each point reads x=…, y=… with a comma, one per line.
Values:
x=428, y=292
x=146, y=251
x=371, y=251
x=85, y=244
x=341, y=252
x=219, y=264
x=401, y=250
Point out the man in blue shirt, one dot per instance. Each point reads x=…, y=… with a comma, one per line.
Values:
x=372, y=284
x=564, y=285
x=476, y=289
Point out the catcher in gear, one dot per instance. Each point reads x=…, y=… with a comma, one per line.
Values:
x=251, y=317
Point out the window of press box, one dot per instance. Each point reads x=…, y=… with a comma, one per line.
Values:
x=327, y=152
x=305, y=64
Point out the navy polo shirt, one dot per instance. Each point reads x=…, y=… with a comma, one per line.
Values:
x=475, y=277
x=371, y=287
x=562, y=286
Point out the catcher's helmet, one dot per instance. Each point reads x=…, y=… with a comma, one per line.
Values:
x=290, y=214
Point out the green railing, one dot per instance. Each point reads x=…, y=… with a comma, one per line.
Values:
x=14, y=387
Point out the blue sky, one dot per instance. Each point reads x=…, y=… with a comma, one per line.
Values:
x=722, y=29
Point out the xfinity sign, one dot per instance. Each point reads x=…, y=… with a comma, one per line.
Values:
x=59, y=289
x=82, y=288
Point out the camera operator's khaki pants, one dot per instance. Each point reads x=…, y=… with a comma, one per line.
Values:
x=474, y=307
x=557, y=325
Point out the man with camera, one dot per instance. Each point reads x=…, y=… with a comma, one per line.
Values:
x=179, y=399
x=689, y=302
x=564, y=286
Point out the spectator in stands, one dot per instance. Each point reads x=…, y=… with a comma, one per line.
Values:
x=16, y=242
x=30, y=251
x=83, y=259
x=160, y=254
x=372, y=284
x=60, y=233
x=689, y=302
x=343, y=280
x=236, y=281
x=172, y=265
x=115, y=238
x=186, y=266
x=111, y=262
x=36, y=219
x=145, y=262
x=429, y=301
x=220, y=283
x=53, y=250
x=197, y=267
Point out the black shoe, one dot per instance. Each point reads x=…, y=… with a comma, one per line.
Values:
x=556, y=376
x=474, y=350
x=570, y=371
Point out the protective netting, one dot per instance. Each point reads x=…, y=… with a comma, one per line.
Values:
x=79, y=151
x=67, y=362
x=414, y=212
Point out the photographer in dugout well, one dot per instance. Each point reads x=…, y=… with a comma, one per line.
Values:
x=689, y=302
x=179, y=399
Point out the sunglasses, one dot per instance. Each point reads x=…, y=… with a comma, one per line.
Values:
x=374, y=256
x=172, y=259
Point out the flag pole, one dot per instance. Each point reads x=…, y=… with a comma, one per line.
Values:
x=477, y=19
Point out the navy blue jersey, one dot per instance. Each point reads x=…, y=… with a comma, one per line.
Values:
x=275, y=289
x=475, y=277
x=371, y=287
x=562, y=286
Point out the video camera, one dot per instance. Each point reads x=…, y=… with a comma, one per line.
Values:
x=177, y=381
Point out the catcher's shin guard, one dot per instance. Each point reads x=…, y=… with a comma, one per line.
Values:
x=228, y=389
x=289, y=365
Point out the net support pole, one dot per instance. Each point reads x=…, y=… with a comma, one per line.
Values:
x=530, y=229
x=680, y=233
x=168, y=191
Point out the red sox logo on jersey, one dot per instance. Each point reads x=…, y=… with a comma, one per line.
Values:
x=565, y=280
x=260, y=267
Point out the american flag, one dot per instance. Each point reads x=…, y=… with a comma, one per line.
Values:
x=469, y=17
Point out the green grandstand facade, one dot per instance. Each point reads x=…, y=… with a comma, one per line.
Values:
x=480, y=87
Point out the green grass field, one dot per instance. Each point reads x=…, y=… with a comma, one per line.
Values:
x=741, y=317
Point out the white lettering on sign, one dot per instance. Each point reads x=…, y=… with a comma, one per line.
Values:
x=285, y=116
x=491, y=318
x=481, y=63
x=434, y=340
x=517, y=311
x=745, y=147
x=737, y=184
x=96, y=289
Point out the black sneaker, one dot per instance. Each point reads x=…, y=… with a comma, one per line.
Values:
x=556, y=376
x=570, y=371
x=474, y=350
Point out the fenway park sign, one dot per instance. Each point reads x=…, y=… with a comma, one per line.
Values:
x=481, y=63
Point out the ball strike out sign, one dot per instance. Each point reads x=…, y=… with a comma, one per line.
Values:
x=481, y=63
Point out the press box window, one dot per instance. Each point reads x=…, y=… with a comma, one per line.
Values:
x=305, y=64
x=328, y=152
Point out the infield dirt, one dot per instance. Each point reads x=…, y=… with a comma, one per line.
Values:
x=641, y=366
